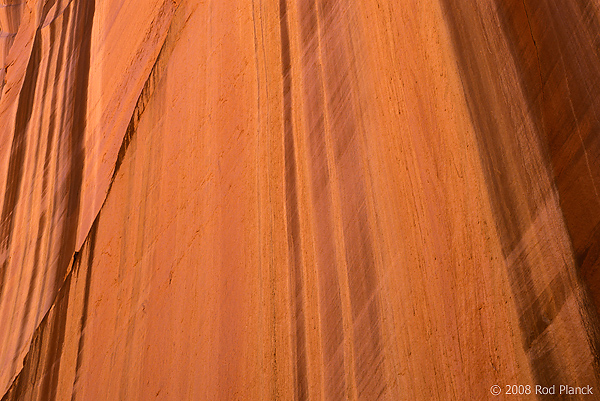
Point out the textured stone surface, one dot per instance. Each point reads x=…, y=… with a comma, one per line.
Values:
x=298, y=199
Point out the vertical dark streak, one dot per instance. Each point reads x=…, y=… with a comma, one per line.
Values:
x=330, y=298
x=81, y=44
x=57, y=321
x=52, y=125
x=34, y=274
x=17, y=155
x=293, y=219
x=51, y=134
x=37, y=263
x=91, y=243
x=536, y=310
x=359, y=247
x=27, y=384
x=82, y=34
x=46, y=9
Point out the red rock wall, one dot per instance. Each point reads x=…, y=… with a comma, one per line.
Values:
x=61, y=132
x=10, y=18
x=528, y=121
x=298, y=199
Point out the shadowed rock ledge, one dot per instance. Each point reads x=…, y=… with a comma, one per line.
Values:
x=298, y=199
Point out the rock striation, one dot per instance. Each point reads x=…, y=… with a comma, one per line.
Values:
x=298, y=199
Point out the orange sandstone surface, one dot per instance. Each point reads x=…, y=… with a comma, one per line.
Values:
x=299, y=199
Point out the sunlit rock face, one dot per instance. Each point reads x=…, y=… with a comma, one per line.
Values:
x=10, y=17
x=298, y=199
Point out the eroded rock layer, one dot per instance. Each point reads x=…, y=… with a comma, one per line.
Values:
x=298, y=199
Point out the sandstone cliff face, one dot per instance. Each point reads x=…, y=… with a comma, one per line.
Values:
x=298, y=199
